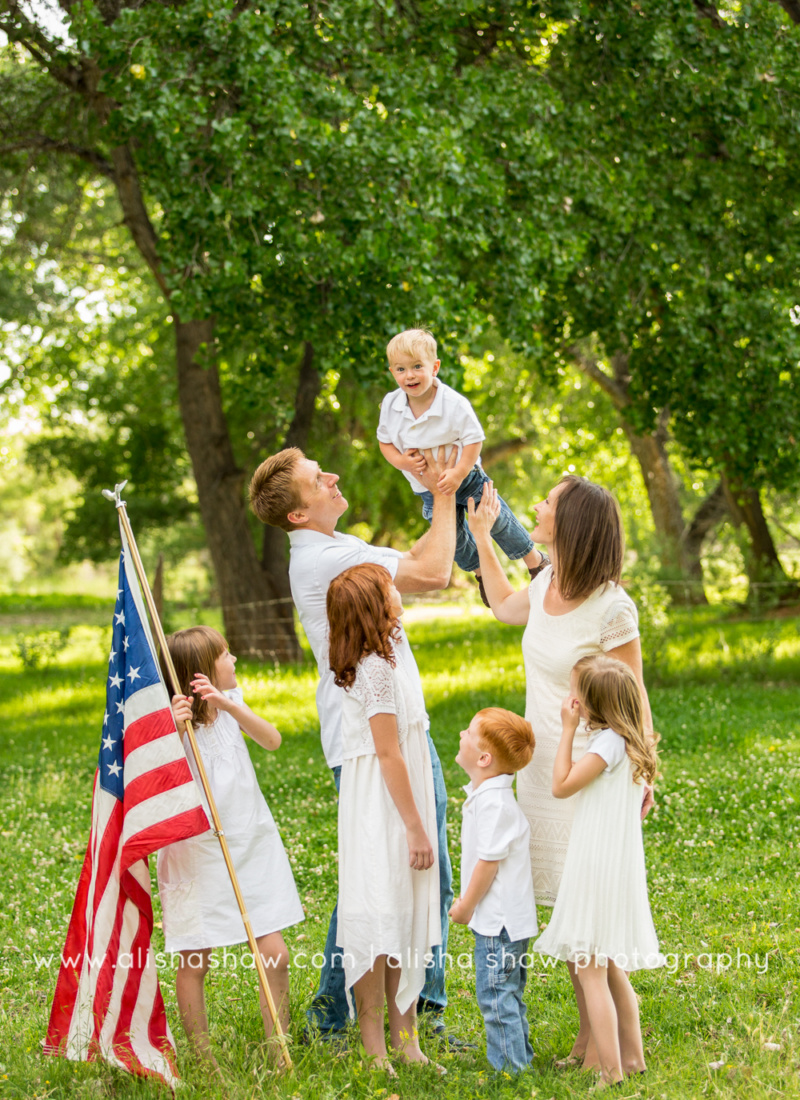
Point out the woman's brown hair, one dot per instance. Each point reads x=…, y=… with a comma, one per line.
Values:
x=192, y=651
x=588, y=540
x=359, y=620
x=612, y=697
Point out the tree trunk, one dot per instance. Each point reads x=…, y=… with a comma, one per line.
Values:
x=709, y=515
x=275, y=545
x=680, y=559
x=253, y=625
x=769, y=583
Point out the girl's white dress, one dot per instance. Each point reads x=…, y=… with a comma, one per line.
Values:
x=602, y=907
x=197, y=899
x=385, y=907
x=551, y=645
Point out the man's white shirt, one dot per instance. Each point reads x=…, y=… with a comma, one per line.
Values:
x=314, y=560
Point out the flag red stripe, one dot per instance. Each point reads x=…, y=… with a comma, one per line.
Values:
x=150, y=727
x=105, y=980
x=106, y=856
x=122, y=1031
x=154, y=782
x=171, y=829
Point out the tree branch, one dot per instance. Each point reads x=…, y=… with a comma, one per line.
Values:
x=497, y=452
x=47, y=144
x=709, y=11
x=590, y=365
x=134, y=211
x=792, y=9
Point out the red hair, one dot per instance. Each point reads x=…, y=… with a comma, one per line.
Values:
x=359, y=620
x=506, y=736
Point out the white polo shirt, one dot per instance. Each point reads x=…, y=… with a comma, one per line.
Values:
x=450, y=420
x=314, y=560
x=493, y=827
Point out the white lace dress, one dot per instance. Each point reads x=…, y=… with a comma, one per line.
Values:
x=385, y=907
x=602, y=908
x=551, y=645
x=200, y=908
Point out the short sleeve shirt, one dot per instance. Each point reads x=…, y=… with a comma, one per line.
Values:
x=450, y=421
x=314, y=560
x=493, y=827
x=608, y=745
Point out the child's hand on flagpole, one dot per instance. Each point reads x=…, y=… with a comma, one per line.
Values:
x=181, y=710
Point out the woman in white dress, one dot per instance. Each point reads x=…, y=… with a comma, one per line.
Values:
x=573, y=607
x=388, y=915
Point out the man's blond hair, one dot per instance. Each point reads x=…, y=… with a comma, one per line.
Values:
x=274, y=491
x=413, y=341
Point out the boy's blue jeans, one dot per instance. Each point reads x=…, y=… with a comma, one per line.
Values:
x=500, y=976
x=507, y=532
x=328, y=1011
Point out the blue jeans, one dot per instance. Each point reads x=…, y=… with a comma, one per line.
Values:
x=500, y=975
x=507, y=532
x=329, y=1011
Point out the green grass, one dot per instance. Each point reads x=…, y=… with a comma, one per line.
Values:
x=722, y=854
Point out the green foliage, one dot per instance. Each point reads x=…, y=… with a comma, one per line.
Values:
x=40, y=649
x=675, y=207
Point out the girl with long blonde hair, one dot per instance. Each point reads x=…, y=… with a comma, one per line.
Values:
x=601, y=921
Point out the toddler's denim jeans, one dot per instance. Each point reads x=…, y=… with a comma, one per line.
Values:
x=507, y=532
x=500, y=975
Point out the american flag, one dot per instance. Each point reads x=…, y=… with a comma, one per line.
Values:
x=108, y=1002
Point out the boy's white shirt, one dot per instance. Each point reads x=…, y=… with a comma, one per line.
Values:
x=493, y=827
x=450, y=421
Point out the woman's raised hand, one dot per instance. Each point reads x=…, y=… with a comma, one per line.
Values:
x=420, y=852
x=481, y=515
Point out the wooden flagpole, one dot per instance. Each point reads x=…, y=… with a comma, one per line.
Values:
x=217, y=824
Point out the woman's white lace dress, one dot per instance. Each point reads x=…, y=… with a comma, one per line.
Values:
x=385, y=907
x=551, y=645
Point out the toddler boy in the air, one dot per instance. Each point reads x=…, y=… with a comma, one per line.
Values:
x=425, y=414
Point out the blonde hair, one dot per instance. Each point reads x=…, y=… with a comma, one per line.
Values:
x=612, y=698
x=506, y=736
x=274, y=491
x=195, y=650
x=413, y=341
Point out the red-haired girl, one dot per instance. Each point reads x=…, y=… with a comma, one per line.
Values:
x=388, y=882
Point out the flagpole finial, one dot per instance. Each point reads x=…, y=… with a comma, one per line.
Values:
x=115, y=496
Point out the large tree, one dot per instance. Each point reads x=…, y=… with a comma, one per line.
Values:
x=299, y=181
x=671, y=198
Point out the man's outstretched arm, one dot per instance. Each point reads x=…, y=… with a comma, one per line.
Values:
x=428, y=564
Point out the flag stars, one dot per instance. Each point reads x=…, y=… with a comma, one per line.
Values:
x=114, y=769
x=114, y=681
x=120, y=708
x=134, y=673
x=120, y=617
x=105, y=719
x=112, y=657
x=108, y=742
x=125, y=643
